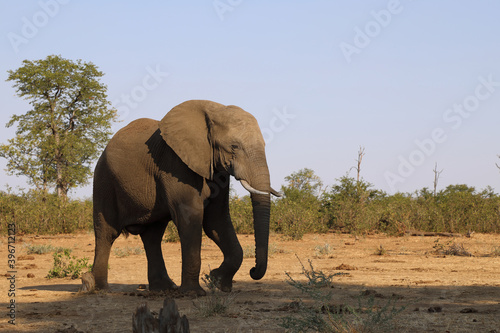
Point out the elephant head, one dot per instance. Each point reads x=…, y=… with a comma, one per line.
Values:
x=212, y=138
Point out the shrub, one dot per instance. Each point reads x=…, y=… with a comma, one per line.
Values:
x=215, y=303
x=171, y=234
x=66, y=265
x=293, y=219
x=323, y=316
x=36, y=212
x=127, y=251
x=351, y=205
x=38, y=249
x=299, y=211
x=323, y=250
x=241, y=214
x=462, y=208
x=42, y=249
x=355, y=207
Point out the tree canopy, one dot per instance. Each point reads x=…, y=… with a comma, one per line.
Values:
x=68, y=125
x=302, y=183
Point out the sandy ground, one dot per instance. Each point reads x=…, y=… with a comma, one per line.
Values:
x=441, y=293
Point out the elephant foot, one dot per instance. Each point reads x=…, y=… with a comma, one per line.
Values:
x=103, y=289
x=192, y=291
x=222, y=281
x=163, y=285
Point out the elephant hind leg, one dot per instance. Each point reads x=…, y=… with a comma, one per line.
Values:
x=104, y=239
x=157, y=272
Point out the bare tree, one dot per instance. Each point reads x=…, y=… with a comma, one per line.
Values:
x=436, y=177
x=361, y=153
x=498, y=166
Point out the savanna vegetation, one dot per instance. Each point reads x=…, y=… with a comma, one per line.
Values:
x=354, y=206
x=307, y=206
x=70, y=122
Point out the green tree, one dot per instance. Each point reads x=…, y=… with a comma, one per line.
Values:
x=69, y=123
x=302, y=184
x=299, y=211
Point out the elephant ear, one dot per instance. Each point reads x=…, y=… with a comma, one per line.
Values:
x=186, y=129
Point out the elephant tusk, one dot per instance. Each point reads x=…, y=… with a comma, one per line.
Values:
x=275, y=193
x=250, y=189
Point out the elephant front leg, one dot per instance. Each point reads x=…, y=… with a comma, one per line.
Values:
x=218, y=227
x=157, y=273
x=189, y=225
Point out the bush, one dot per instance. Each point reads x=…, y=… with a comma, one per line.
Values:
x=66, y=265
x=324, y=316
x=241, y=214
x=293, y=218
x=216, y=302
x=299, y=211
x=35, y=212
x=351, y=205
x=462, y=208
x=42, y=249
x=127, y=251
x=171, y=234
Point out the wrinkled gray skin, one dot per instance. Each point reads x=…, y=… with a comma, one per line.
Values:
x=178, y=169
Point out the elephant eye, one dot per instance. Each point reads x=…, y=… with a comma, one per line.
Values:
x=235, y=147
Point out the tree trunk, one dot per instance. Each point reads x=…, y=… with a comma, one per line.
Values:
x=169, y=320
x=61, y=188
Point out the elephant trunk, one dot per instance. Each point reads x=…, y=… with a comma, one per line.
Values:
x=261, y=214
x=261, y=204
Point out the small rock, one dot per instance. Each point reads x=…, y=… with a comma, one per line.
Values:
x=433, y=309
x=469, y=310
x=371, y=292
x=71, y=329
x=30, y=275
x=345, y=267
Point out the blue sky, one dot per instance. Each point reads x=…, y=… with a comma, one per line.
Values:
x=414, y=82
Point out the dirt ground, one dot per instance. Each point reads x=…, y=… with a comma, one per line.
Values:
x=441, y=293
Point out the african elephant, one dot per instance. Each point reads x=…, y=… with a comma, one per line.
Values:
x=178, y=169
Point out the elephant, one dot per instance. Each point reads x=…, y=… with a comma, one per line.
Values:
x=178, y=169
